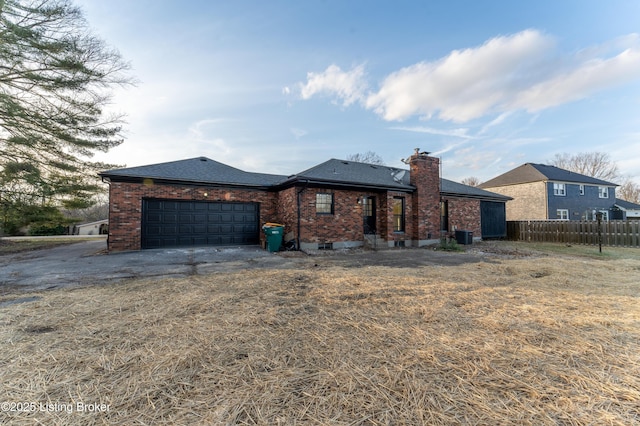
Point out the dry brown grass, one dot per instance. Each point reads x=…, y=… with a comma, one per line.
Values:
x=508, y=341
x=10, y=246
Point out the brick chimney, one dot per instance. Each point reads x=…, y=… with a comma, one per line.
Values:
x=425, y=176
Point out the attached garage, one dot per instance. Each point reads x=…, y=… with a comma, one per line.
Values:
x=179, y=223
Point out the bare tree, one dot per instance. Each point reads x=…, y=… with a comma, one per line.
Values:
x=471, y=181
x=595, y=164
x=368, y=157
x=629, y=191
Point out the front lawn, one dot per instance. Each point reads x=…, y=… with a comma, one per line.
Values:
x=514, y=339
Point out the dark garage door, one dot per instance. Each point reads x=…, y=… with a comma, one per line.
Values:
x=169, y=223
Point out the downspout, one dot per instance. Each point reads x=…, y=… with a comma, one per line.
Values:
x=441, y=201
x=547, y=189
x=108, y=181
x=299, y=203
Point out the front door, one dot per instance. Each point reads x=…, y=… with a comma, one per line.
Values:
x=369, y=214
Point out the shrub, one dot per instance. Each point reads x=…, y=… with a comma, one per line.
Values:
x=449, y=244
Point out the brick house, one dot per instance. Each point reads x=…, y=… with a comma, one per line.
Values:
x=542, y=192
x=335, y=204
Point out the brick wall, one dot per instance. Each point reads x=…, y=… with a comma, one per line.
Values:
x=425, y=216
x=125, y=206
x=464, y=214
x=287, y=211
x=529, y=200
x=345, y=224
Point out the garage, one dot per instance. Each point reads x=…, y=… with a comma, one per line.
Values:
x=176, y=223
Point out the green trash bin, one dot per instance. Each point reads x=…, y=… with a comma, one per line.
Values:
x=274, y=235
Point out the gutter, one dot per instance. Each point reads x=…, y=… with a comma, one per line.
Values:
x=164, y=181
x=341, y=184
x=503, y=199
x=107, y=180
x=298, y=194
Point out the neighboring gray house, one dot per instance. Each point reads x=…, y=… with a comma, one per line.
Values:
x=542, y=192
x=625, y=210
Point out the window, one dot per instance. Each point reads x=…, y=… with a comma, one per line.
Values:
x=603, y=192
x=367, y=207
x=581, y=189
x=324, y=203
x=562, y=214
x=559, y=189
x=398, y=214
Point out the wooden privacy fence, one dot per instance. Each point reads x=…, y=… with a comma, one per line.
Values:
x=623, y=233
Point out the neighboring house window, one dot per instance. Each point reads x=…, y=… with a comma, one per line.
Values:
x=324, y=203
x=562, y=214
x=559, y=189
x=603, y=192
x=398, y=214
x=581, y=189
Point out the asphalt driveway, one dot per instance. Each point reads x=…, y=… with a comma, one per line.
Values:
x=85, y=263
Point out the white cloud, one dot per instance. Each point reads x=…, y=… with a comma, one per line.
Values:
x=464, y=85
x=585, y=79
x=450, y=147
x=460, y=132
x=200, y=138
x=523, y=71
x=496, y=121
x=348, y=86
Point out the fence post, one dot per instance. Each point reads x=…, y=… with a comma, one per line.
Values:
x=599, y=218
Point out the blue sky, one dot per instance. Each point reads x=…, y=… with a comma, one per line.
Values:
x=279, y=86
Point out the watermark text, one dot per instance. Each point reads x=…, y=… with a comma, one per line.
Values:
x=54, y=407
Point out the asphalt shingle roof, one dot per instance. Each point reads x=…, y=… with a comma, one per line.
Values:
x=197, y=170
x=532, y=172
x=454, y=188
x=627, y=205
x=349, y=173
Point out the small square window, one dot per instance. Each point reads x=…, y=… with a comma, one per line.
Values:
x=603, y=192
x=324, y=203
x=559, y=189
x=562, y=214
